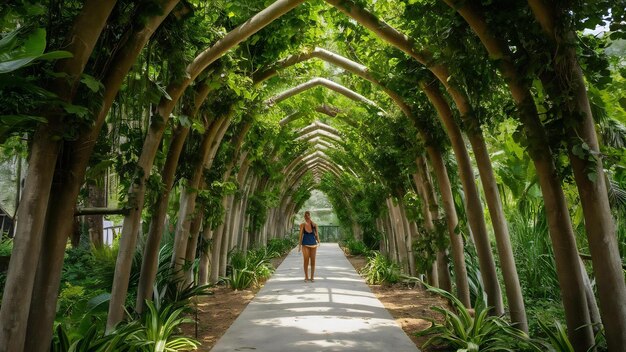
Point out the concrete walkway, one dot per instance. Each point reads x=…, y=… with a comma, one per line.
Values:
x=337, y=312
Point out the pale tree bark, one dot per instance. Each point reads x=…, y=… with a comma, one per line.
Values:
x=245, y=236
x=241, y=180
x=513, y=289
x=456, y=240
x=391, y=237
x=192, y=246
x=205, y=257
x=432, y=274
x=229, y=221
x=473, y=205
x=218, y=237
x=409, y=235
x=97, y=198
x=66, y=189
x=187, y=210
x=599, y=222
x=157, y=223
x=32, y=211
x=215, y=146
x=559, y=223
x=400, y=232
x=225, y=236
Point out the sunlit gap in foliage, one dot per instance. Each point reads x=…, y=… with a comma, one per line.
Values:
x=323, y=214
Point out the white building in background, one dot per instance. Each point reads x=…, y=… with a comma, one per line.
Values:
x=110, y=231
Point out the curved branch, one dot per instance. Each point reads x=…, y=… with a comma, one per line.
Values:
x=319, y=81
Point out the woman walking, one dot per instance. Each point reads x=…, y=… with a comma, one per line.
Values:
x=309, y=241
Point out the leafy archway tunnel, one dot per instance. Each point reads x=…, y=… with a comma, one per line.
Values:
x=452, y=139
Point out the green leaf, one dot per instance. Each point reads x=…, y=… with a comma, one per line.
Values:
x=184, y=120
x=592, y=176
x=12, y=124
x=77, y=110
x=91, y=82
x=16, y=53
x=55, y=55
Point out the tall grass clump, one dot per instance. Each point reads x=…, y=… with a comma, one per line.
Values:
x=534, y=254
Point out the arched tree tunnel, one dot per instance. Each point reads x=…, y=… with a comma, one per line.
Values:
x=441, y=138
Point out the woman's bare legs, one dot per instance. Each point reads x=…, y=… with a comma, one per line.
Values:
x=312, y=254
x=306, y=255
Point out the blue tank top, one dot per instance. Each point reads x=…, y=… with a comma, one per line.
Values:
x=308, y=238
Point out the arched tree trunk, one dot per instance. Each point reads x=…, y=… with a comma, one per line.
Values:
x=501, y=232
x=157, y=223
x=473, y=206
x=192, y=247
x=226, y=237
x=66, y=189
x=216, y=249
x=599, y=222
x=205, y=257
x=441, y=264
x=97, y=198
x=456, y=241
x=431, y=274
x=187, y=210
x=18, y=289
x=559, y=223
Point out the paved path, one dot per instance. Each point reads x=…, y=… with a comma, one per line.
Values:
x=337, y=312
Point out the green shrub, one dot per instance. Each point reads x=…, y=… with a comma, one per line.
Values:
x=247, y=269
x=240, y=279
x=156, y=332
x=6, y=247
x=355, y=247
x=93, y=340
x=463, y=332
x=543, y=310
x=69, y=298
x=281, y=246
x=178, y=295
x=380, y=270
